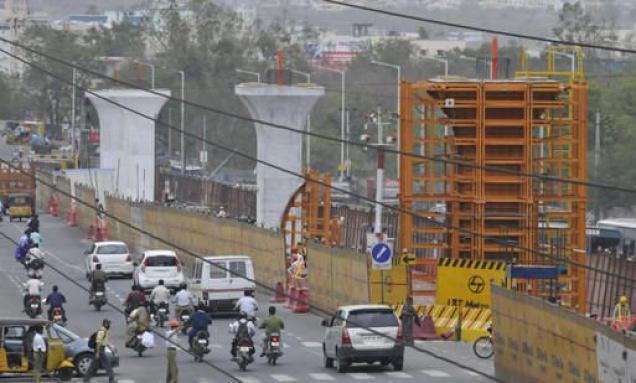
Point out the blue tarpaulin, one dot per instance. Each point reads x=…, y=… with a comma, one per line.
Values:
x=534, y=271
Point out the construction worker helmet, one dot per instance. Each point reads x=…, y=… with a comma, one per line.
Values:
x=173, y=323
x=623, y=300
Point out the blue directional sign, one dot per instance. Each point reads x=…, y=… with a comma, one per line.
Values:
x=381, y=255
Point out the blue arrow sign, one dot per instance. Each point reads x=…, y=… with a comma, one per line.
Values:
x=381, y=253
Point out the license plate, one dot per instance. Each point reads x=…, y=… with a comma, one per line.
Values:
x=185, y=317
x=163, y=311
x=275, y=344
x=244, y=349
x=203, y=341
x=34, y=305
x=99, y=294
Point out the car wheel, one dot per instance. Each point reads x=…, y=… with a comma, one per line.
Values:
x=327, y=361
x=341, y=364
x=398, y=364
x=82, y=363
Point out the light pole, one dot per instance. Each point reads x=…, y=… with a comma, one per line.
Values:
x=307, y=137
x=343, y=76
x=183, y=156
x=257, y=75
x=73, y=117
x=440, y=60
x=398, y=68
x=152, y=70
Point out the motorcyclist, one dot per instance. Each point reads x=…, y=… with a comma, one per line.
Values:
x=272, y=325
x=242, y=329
x=34, y=223
x=247, y=304
x=134, y=299
x=138, y=322
x=33, y=288
x=24, y=244
x=159, y=295
x=34, y=262
x=98, y=281
x=183, y=300
x=200, y=321
x=36, y=238
x=56, y=300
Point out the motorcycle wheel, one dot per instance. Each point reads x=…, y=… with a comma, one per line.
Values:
x=243, y=365
x=98, y=307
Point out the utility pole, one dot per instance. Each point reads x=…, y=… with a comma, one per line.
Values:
x=597, y=156
x=379, y=180
x=183, y=153
x=169, y=134
x=73, y=133
x=348, y=151
x=204, y=162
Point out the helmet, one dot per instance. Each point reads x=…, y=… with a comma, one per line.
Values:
x=623, y=300
x=173, y=323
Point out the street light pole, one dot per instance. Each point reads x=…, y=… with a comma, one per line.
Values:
x=73, y=117
x=257, y=75
x=183, y=155
x=398, y=68
x=441, y=60
x=343, y=117
x=572, y=58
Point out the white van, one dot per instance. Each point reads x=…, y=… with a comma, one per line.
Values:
x=221, y=287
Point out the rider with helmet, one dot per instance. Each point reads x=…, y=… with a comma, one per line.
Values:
x=243, y=329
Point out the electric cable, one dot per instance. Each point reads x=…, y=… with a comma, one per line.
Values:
x=365, y=146
x=496, y=240
x=155, y=329
x=481, y=29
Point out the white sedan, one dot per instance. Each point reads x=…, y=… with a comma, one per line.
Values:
x=114, y=257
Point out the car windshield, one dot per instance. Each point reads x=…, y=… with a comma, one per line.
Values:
x=112, y=249
x=161, y=261
x=372, y=318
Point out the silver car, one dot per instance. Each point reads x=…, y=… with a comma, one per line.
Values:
x=77, y=348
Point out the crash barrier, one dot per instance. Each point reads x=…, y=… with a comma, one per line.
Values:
x=445, y=319
x=536, y=341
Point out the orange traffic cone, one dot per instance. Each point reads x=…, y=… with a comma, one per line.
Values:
x=301, y=303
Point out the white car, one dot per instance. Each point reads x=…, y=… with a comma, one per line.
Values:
x=363, y=334
x=114, y=257
x=156, y=265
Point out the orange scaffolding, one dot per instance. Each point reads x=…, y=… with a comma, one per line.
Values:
x=530, y=125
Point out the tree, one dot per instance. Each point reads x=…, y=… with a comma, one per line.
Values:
x=422, y=33
x=577, y=25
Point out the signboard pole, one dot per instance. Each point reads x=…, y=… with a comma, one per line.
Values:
x=382, y=285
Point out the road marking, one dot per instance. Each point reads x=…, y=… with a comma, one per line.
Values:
x=360, y=376
x=126, y=381
x=283, y=378
x=249, y=379
x=436, y=373
x=398, y=375
x=321, y=376
x=312, y=344
x=471, y=373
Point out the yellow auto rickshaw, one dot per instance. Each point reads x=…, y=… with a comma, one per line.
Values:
x=20, y=206
x=16, y=339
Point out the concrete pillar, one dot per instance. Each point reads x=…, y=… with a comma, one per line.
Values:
x=282, y=105
x=127, y=140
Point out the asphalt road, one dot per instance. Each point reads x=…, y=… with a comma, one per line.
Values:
x=302, y=361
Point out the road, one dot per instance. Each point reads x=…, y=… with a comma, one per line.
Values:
x=302, y=361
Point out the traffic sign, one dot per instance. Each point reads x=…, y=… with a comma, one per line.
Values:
x=408, y=259
x=381, y=256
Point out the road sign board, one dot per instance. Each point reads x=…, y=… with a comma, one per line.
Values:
x=466, y=283
x=408, y=259
x=381, y=256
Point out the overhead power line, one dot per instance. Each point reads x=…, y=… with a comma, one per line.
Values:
x=444, y=160
x=481, y=29
x=495, y=240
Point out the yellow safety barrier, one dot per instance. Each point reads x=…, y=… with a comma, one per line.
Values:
x=466, y=283
x=475, y=321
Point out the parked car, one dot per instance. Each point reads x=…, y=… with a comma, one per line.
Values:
x=76, y=348
x=156, y=265
x=217, y=281
x=114, y=257
x=363, y=334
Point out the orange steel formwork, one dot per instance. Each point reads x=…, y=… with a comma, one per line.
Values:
x=532, y=125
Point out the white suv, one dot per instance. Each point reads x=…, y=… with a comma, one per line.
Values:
x=156, y=265
x=363, y=334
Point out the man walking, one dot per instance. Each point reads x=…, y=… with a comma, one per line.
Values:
x=408, y=316
x=39, y=354
x=101, y=342
x=172, y=335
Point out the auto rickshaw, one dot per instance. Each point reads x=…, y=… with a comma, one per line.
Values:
x=16, y=339
x=20, y=206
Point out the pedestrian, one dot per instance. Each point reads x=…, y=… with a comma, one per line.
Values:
x=172, y=339
x=39, y=354
x=622, y=316
x=101, y=342
x=408, y=316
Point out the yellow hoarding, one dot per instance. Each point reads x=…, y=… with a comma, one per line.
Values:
x=466, y=283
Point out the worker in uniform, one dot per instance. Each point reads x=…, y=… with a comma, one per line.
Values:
x=622, y=313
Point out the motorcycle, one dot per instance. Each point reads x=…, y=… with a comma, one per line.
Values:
x=57, y=316
x=160, y=314
x=138, y=345
x=185, y=321
x=244, y=353
x=274, y=350
x=200, y=345
x=34, y=306
x=99, y=299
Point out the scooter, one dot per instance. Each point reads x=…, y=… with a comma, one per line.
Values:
x=34, y=306
x=274, y=350
x=99, y=299
x=200, y=345
x=57, y=316
x=160, y=316
x=137, y=344
x=185, y=321
x=244, y=353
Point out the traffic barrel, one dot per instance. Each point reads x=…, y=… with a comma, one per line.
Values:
x=279, y=294
x=426, y=329
x=301, y=303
